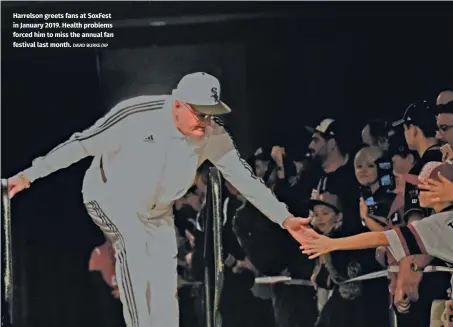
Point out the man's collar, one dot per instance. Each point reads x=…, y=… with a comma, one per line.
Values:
x=337, y=164
x=449, y=208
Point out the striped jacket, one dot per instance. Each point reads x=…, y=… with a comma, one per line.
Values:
x=147, y=160
x=432, y=235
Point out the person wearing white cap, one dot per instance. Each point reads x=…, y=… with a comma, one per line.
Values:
x=146, y=152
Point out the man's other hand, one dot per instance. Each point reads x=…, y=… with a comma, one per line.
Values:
x=17, y=184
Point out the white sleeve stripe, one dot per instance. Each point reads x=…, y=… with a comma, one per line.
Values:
x=121, y=113
x=128, y=108
x=219, y=122
x=99, y=130
x=243, y=161
x=72, y=139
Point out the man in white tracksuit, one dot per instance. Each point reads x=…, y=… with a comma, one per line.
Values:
x=146, y=152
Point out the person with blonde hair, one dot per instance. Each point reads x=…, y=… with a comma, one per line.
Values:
x=379, y=206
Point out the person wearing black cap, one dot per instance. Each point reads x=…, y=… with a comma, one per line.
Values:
x=329, y=147
x=420, y=127
x=351, y=304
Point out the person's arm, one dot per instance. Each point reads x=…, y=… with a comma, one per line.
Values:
x=430, y=237
x=285, y=167
x=283, y=188
x=415, y=247
x=397, y=239
x=221, y=151
x=360, y=241
x=124, y=121
x=422, y=238
x=317, y=245
x=373, y=222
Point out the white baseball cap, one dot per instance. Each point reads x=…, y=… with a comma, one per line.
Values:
x=202, y=92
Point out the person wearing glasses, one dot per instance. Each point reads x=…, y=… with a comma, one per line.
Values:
x=146, y=152
x=444, y=112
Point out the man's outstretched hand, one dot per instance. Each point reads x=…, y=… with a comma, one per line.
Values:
x=299, y=228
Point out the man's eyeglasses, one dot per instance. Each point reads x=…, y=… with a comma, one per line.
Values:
x=444, y=128
x=198, y=115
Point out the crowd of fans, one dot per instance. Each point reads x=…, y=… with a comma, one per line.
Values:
x=346, y=191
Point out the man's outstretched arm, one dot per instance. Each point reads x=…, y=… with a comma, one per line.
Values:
x=104, y=136
x=221, y=151
x=123, y=122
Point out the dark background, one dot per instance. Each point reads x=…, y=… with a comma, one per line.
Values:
x=301, y=61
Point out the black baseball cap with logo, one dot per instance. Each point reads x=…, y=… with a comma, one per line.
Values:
x=335, y=129
x=328, y=199
x=420, y=115
x=328, y=127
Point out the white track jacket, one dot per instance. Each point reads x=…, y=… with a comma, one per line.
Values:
x=148, y=163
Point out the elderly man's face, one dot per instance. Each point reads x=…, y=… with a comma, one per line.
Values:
x=189, y=121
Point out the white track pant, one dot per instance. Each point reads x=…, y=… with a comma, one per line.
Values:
x=145, y=264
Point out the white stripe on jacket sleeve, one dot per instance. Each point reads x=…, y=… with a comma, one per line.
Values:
x=104, y=136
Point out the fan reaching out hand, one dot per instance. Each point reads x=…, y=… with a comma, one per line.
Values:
x=315, y=245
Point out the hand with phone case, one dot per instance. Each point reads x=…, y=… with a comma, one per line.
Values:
x=367, y=196
x=368, y=208
x=373, y=222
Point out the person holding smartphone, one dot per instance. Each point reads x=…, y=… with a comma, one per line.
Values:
x=379, y=206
